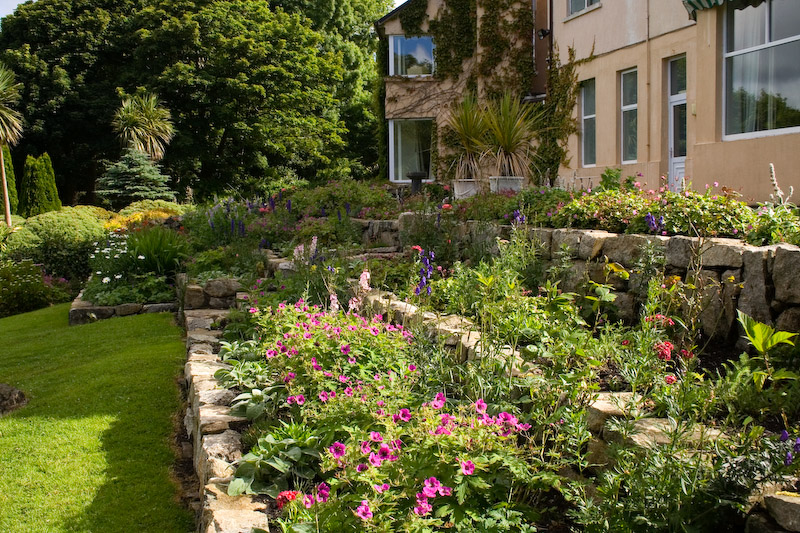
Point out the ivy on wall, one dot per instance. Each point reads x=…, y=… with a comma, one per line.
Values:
x=455, y=36
x=413, y=16
x=506, y=40
x=382, y=60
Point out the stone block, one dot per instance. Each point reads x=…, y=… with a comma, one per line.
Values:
x=761, y=523
x=544, y=236
x=194, y=370
x=784, y=274
x=215, y=396
x=755, y=296
x=468, y=346
x=203, y=336
x=789, y=320
x=200, y=347
x=680, y=250
x=566, y=238
x=89, y=313
x=160, y=308
x=597, y=454
x=723, y=253
x=591, y=244
x=217, y=419
x=127, y=309
x=230, y=514
x=627, y=307
x=222, y=288
x=605, y=406
x=624, y=249
x=656, y=431
x=11, y=398
x=194, y=297
x=784, y=508
x=215, y=455
x=221, y=303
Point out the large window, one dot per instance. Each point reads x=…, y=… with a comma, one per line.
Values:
x=588, y=124
x=762, y=70
x=409, y=148
x=579, y=5
x=410, y=56
x=629, y=97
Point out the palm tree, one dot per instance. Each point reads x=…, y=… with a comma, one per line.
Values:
x=10, y=126
x=512, y=131
x=467, y=121
x=144, y=124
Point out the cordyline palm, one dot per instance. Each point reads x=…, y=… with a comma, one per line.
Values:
x=10, y=126
x=467, y=121
x=511, y=132
x=144, y=125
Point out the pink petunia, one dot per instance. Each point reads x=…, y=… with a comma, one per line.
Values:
x=480, y=406
x=363, y=511
x=467, y=468
x=337, y=449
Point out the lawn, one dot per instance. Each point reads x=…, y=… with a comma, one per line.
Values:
x=91, y=450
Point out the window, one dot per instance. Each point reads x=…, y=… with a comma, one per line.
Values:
x=628, y=107
x=588, y=127
x=409, y=148
x=410, y=56
x=762, y=73
x=579, y=5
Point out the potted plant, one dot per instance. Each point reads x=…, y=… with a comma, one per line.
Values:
x=509, y=142
x=468, y=123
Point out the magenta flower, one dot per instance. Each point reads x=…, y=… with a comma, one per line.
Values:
x=375, y=436
x=363, y=511
x=362, y=468
x=289, y=377
x=423, y=507
x=348, y=391
x=308, y=501
x=300, y=399
x=337, y=449
x=439, y=402
x=345, y=349
x=381, y=488
x=404, y=414
x=374, y=460
x=467, y=468
x=384, y=453
x=480, y=406
x=431, y=487
x=365, y=447
x=323, y=396
x=412, y=368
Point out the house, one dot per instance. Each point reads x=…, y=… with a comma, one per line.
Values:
x=702, y=90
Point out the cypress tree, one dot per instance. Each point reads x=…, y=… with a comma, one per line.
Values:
x=12, y=186
x=38, y=193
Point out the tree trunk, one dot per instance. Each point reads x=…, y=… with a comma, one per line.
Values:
x=6, y=199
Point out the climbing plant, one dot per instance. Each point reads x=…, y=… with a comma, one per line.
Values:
x=454, y=33
x=506, y=62
x=413, y=16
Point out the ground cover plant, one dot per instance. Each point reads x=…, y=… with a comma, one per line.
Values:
x=91, y=451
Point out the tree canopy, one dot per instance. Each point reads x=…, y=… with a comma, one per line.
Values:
x=256, y=89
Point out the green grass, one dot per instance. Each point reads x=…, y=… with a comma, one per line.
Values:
x=91, y=450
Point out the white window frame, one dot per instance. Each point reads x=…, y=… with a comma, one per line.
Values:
x=726, y=55
x=392, y=39
x=584, y=117
x=392, y=177
x=586, y=5
x=622, y=109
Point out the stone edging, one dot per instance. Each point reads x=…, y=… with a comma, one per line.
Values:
x=83, y=312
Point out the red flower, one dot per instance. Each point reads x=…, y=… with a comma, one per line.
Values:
x=417, y=248
x=670, y=379
x=286, y=497
x=445, y=207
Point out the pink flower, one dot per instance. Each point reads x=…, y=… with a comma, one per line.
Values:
x=366, y=447
x=363, y=511
x=467, y=468
x=439, y=402
x=374, y=460
x=253, y=310
x=345, y=349
x=384, y=453
x=351, y=360
x=308, y=501
x=480, y=406
x=289, y=377
x=348, y=391
x=344, y=379
x=431, y=487
x=337, y=449
x=663, y=350
x=375, y=436
x=404, y=415
x=670, y=379
x=412, y=368
x=380, y=489
x=323, y=396
x=300, y=399
x=362, y=467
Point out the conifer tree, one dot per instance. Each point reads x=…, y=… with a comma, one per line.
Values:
x=134, y=177
x=38, y=193
x=10, y=181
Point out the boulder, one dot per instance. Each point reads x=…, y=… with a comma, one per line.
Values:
x=680, y=250
x=591, y=244
x=605, y=406
x=566, y=238
x=784, y=274
x=723, y=253
x=11, y=398
x=127, y=309
x=784, y=508
x=624, y=249
x=755, y=296
x=222, y=287
x=544, y=236
x=789, y=320
x=160, y=308
x=230, y=514
x=194, y=297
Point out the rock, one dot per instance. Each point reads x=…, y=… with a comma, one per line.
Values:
x=217, y=419
x=784, y=507
x=784, y=274
x=468, y=346
x=789, y=320
x=194, y=370
x=159, y=308
x=222, y=288
x=607, y=405
x=761, y=523
x=204, y=336
x=11, y=398
x=194, y=297
x=597, y=454
x=566, y=238
x=219, y=396
x=216, y=454
x=89, y=313
x=680, y=250
x=544, y=236
x=650, y=431
x=221, y=303
x=627, y=309
x=624, y=249
x=127, y=309
x=591, y=244
x=723, y=253
x=230, y=514
x=754, y=298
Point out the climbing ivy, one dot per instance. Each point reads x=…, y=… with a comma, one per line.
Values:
x=506, y=47
x=454, y=33
x=413, y=15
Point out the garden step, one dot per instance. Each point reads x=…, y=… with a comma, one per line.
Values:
x=203, y=336
x=607, y=405
x=213, y=315
x=784, y=507
x=230, y=514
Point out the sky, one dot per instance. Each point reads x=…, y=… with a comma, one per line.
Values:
x=8, y=6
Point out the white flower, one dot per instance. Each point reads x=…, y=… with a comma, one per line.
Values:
x=106, y=279
x=140, y=257
x=118, y=276
x=98, y=272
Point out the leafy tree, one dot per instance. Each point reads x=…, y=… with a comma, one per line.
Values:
x=134, y=177
x=143, y=124
x=11, y=182
x=38, y=193
x=10, y=131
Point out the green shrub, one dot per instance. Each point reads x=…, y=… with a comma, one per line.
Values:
x=24, y=287
x=134, y=177
x=350, y=197
x=61, y=241
x=488, y=207
x=38, y=193
x=539, y=204
x=158, y=250
x=142, y=206
x=10, y=180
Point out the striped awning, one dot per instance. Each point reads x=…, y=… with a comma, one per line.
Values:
x=693, y=6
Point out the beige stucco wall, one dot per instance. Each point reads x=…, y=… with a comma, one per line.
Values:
x=741, y=165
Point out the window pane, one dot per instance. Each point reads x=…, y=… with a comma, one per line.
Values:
x=588, y=97
x=589, y=142
x=784, y=20
x=677, y=76
x=629, y=89
x=629, y=135
x=746, y=27
x=576, y=5
x=413, y=56
x=762, y=89
x=412, y=147
x=679, y=130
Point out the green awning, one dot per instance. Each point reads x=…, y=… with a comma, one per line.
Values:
x=693, y=6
